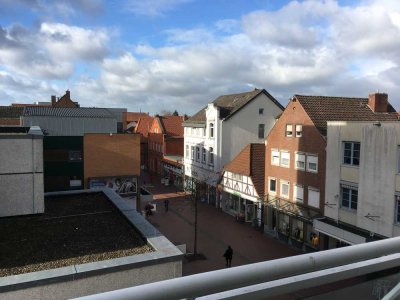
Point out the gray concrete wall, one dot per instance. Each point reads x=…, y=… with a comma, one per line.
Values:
x=21, y=175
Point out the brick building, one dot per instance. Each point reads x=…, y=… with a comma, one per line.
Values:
x=295, y=159
x=10, y=115
x=165, y=147
x=143, y=128
x=131, y=120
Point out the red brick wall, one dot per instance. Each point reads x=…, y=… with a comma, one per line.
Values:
x=155, y=139
x=111, y=155
x=311, y=142
x=10, y=121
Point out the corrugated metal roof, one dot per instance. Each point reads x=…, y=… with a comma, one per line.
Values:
x=73, y=112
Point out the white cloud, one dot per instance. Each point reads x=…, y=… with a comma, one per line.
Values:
x=153, y=8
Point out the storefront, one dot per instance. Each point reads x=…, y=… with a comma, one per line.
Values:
x=292, y=223
x=172, y=173
x=242, y=209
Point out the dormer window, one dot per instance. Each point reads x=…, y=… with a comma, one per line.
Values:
x=211, y=130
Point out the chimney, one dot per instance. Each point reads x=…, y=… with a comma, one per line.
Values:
x=68, y=95
x=378, y=102
x=53, y=100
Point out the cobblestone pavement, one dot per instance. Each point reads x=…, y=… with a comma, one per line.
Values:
x=216, y=230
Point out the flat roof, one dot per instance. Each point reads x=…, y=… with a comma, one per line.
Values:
x=75, y=229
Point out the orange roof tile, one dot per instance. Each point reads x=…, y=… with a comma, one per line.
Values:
x=135, y=116
x=143, y=126
x=172, y=125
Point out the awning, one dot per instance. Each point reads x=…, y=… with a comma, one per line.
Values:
x=338, y=233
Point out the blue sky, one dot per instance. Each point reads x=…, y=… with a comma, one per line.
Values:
x=159, y=55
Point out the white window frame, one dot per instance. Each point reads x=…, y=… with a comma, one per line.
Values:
x=312, y=158
x=299, y=130
x=300, y=157
x=352, y=151
x=296, y=188
x=269, y=185
x=289, y=130
x=203, y=155
x=211, y=130
x=285, y=155
x=351, y=196
x=275, y=153
x=281, y=183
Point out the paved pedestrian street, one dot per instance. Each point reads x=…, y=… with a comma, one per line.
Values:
x=216, y=230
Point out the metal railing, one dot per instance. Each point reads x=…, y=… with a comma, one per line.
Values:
x=268, y=278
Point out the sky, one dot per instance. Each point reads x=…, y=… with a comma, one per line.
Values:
x=157, y=55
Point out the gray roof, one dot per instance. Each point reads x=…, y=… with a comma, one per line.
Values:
x=74, y=112
x=230, y=104
x=10, y=112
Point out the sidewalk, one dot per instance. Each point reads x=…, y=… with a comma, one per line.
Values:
x=216, y=230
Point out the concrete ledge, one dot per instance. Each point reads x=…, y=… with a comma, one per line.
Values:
x=165, y=252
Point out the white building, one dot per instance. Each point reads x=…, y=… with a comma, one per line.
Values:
x=362, y=182
x=219, y=131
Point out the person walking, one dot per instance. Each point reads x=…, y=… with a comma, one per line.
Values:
x=228, y=256
x=166, y=203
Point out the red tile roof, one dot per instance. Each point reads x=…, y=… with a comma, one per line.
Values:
x=135, y=116
x=143, y=126
x=322, y=109
x=172, y=125
x=250, y=162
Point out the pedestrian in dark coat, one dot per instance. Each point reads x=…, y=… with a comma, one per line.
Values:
x=228, y=256
x=166, y=203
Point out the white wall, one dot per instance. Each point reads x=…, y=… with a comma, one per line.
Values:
x=21, y=175
x=242, y=128
x=376, y=174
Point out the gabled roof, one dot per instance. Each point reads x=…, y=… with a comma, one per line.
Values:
x=135, y=116
x=321, y=109
x=230, y=104
x=143, y=126
x=250, y=162
x=73, y=112
x=11, y=112
x=172, y=125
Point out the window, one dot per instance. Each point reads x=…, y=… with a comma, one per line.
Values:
x=197, y=154
x=237, y=176
x=285, y=189
x=261, y=111
x=285, y=159
x=192, y=154
x=75, y=155
x=272, y=185
x=348, y=197
x=300, y=161
x=187, y=151
x=312, y=163
x=260, y=131
x=211, y=130
x=313, y=197
x=299, y=130
x=211, y=156
x=298, y=193
x=351, y=155
x=203, y=150
x=397, y=209
x=289, y=130
x=275, y=157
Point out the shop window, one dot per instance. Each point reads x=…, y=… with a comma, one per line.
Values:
x=313, y=197
x=300, y=161
x=289, y=130
x=298, y=192
x=285, y=188
x=272, y=185
x=285, y=159
x=299, y=130
x=284, y=226
x=275, y=157
x=260, y=131
x=312, y=163
x=297, y=229
x=348, y=197
x=351, y=154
